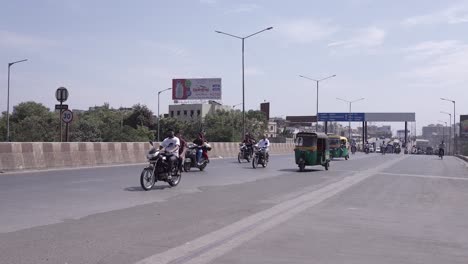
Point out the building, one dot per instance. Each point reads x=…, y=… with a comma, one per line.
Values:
x=192, y=112
x=272, y=129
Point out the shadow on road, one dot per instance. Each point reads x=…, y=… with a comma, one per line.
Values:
x=297, y=170
x=139, y=189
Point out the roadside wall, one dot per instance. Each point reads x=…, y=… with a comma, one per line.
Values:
x=44, y=155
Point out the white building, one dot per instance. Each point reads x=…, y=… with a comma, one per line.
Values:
x=272, y=129
x=190, y=112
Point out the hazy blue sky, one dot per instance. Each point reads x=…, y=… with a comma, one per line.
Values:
x=399, y=55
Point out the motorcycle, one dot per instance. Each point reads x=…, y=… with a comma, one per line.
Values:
x=366, y=149
x=191, y=157
x=245, y=152
x=159, y=170
x=441, y=154
x=259, y=157
x=353, y=149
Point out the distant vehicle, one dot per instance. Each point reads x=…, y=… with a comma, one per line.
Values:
x=429, y=151
x=371, y=148
x=378, y=150
x=422, y=144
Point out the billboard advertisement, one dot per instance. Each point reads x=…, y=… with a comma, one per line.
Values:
x=464, y=126
x=196, y=89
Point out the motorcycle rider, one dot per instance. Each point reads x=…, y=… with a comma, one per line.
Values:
x=249, y=141
x=442, y=148
x=264, y=143
x=171, y=144
x=200, y=141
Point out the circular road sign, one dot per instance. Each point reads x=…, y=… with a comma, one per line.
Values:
x=67, y=116
x=61, y=94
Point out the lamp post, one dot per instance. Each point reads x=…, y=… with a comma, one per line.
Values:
x=8, y=98
x=159, y=118
x=450, y=130
x=350, y=105
x=317, y=81
x=454, y=125
x=243, y=66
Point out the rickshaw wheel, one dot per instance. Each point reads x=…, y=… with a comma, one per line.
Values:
x=327, y=165
x=346, y=157
x=301, y=166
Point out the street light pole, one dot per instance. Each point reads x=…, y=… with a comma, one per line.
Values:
x=8, y=99
x=317, y=81
x=450, y=130
x=243, y=69
x=350, y=104
x=454, y=125
x=159, y=117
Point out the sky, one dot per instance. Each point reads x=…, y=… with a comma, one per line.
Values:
x=401, y=56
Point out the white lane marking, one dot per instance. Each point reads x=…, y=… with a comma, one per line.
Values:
x=217, y=243
x=426, y=176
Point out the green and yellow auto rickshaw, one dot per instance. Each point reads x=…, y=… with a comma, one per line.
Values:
x=338, y=147
x=311, y=150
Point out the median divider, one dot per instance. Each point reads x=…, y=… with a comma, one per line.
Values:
x=45, y=155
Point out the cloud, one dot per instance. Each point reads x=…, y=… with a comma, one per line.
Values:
x=10, y=39
x=208, y=2
x=438, y=63
x=306, y=30
x=243, y=8
x=451, y=15
x=363, y=38
x=168, y=48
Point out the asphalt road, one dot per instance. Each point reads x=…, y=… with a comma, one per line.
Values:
x=369, y=209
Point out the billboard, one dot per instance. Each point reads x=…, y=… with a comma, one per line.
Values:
x=464, y=126
x=196, y=89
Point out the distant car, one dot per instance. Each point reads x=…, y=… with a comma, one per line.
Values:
x=429, y=151
x=371, y=148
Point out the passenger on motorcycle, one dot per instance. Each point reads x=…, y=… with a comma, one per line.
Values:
x=264, y=143
x=442, y=148
x=171, y=144
x=200, y=141
x=182, y=148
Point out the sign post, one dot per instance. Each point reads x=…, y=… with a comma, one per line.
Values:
x=61, y=95
x=67, y=117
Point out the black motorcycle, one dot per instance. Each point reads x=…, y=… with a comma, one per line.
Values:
x=353, y=149
x=159, y=169
x=245, y=153
x=260, y=157
x=441, y=153
x=191, y=157
x=366, y=149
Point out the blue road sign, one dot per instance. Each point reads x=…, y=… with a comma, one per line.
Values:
x=338, y=117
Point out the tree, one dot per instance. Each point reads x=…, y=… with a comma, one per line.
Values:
x=140, y=116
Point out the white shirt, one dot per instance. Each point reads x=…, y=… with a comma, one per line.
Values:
x=263, y=143
x=174, y=148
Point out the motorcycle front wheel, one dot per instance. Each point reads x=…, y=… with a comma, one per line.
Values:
x=147, y=179
x=255, y=162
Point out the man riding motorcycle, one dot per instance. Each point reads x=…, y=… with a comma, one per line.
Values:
x=441, y=149
x=171, y=144
x=264, y=143
x=249, y=141
x=200, y=141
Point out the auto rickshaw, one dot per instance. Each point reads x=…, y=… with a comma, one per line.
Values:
x=338, y=147
x=311, y=150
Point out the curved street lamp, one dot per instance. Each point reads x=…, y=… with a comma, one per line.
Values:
x=8, y=98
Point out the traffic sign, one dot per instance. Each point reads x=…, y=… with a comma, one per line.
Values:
x=61, y=107
x=337, y=117
x=67, y=116
x=61, y=94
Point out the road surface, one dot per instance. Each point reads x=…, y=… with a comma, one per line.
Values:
x=370, y=209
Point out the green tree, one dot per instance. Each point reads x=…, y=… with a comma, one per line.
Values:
x=140, y=116
x=31, y=121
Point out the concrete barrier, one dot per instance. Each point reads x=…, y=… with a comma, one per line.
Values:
x=45, y=155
